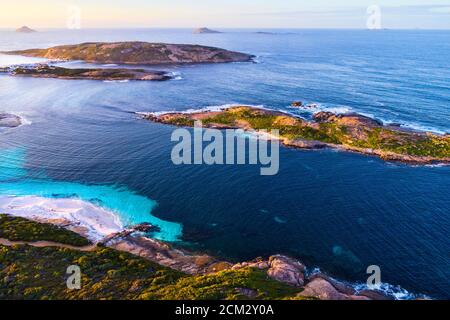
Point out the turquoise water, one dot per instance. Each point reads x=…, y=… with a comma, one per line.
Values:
x=130, y=207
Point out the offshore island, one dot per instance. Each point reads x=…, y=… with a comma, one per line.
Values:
x=142, y=53
x=349, y=132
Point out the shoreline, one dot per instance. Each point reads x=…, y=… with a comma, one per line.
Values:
x=279, y=267
x=321, y=131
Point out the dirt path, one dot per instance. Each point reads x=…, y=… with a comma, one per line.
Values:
x=43, y=244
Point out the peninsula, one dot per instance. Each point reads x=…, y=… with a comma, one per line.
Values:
x=350, y=132
x=110, y=74
x=137, y=53
x=139, y=268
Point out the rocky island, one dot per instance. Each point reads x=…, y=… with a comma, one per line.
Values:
x=25, y=29
x=109, y=74
x=350, y=132
x=205, y=30
x=142, y=53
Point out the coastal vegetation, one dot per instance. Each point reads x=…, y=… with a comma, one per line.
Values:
x=20, y=229
x=351, y=132
x=39, y=273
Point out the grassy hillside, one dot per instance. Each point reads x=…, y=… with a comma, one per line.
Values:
x=39, y=273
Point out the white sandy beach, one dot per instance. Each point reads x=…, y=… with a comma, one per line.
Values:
x=92, y=221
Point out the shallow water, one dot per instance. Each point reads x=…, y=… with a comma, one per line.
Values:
x=336, y=210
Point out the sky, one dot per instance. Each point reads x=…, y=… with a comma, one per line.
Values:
x=394, y=14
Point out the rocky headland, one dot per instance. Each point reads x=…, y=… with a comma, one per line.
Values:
x=350, y=132
x=108, y=74
x=136, y=53
x=287, y=277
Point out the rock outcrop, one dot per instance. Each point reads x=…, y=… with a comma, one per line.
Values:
x=297, y=104
x=8, y=120
x=348, y=119
x=321, y=289
x=286, y=270
x=137, y=53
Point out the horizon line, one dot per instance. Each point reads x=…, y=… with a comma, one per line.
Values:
x=226, y=28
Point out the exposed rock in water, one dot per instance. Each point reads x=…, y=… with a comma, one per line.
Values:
x=324, y=290
x=137, y=53
x=9, y=120
x=286, y=270
x=142, y=227
x=111, y=74
x=297, y=104
x=204, y=30
x=338, y=285
x=374, y=295
x=25, y=29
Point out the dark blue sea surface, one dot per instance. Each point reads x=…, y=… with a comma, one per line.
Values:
x=335, y=210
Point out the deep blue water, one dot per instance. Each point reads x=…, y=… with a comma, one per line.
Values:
x=339, y=211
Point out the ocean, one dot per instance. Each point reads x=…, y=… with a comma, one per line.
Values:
x=338, y=211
